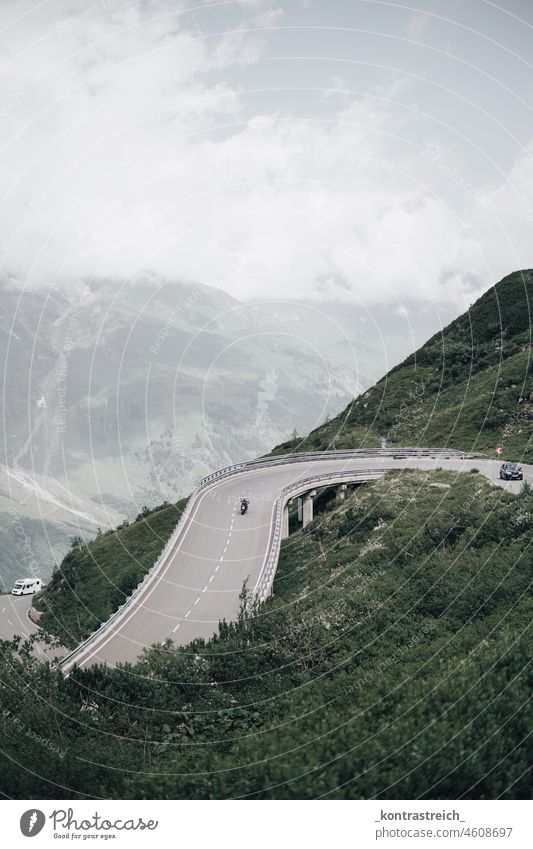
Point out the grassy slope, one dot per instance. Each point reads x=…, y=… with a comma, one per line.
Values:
x=460, y=389
x=95, y=579
x=390, y=663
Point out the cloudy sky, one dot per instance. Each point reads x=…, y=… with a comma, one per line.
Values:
x=329, y=150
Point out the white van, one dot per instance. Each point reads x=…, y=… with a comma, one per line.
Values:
x=25, y=586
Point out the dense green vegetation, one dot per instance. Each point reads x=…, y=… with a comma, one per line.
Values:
x=392, y=662
x=469, y=387
x=94, y=580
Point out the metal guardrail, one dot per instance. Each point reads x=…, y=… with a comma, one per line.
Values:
x=275, y=540
x=339, y=454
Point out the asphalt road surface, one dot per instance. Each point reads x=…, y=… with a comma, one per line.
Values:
x=14, y=621
x=14, y=616
x=200, y=582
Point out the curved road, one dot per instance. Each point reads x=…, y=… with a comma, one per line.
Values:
x=199, y=580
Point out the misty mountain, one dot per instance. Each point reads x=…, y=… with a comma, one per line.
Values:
x=119, y=394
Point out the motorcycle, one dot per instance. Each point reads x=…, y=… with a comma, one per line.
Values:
x=244, y=506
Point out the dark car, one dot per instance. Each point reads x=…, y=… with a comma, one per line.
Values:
x=511, y=472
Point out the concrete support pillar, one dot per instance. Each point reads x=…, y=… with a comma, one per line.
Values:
x=307, y=507
x=340, y=491
x=300, y=509
x=285, y=523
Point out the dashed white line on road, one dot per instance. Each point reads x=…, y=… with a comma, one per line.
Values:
x=197, y=600
x=176, y=628
x=188, y=613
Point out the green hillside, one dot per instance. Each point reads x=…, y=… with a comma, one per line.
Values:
x=391, y=663
x=469, y=387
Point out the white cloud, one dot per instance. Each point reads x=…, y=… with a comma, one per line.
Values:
x=129, y=143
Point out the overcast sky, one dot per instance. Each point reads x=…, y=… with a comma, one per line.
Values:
x=310, y=149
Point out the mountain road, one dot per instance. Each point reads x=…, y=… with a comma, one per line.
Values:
x=214, y=550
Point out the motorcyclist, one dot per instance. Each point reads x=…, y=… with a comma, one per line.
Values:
x=244, y=506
